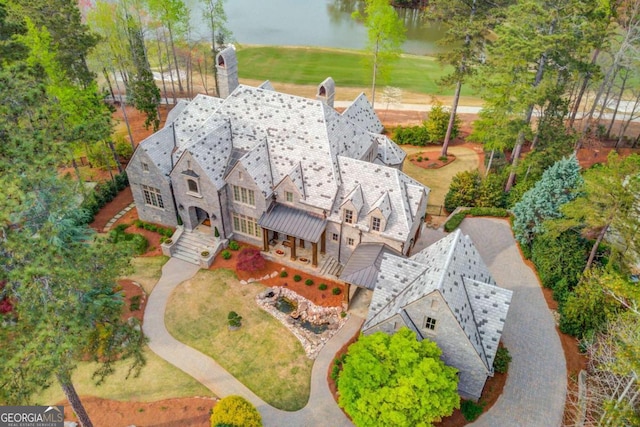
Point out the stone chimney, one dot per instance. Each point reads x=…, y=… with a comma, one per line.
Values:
x=327, y=91
x=227, y=67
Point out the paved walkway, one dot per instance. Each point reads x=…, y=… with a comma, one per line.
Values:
x=535, y=391
x=117, y=217
x=533, y=396
x=321, y=409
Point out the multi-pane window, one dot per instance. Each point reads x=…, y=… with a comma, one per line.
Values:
x=375, y=223
x=193, y=186
x=348, y=216
x=334, y=237
x=152, y=196
x=430, y=323
x=145, y=167
x=244, y=195
x=289, y=196
x=246, y=225
x=350, y=241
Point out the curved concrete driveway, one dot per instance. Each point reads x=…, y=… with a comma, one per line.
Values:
x=321, y=410
x=534, y=394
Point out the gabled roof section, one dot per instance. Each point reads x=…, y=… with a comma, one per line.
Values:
x=376, y=181
x=159, y=147
x=384, y=204
x=453, y=267
x=364, y=264
x=356, y=197
x=389, y=153
x=266, y=85
x=361, y=113
x=257, y=164
x=213, y=152
x=194, y=115
x=175, y=111
x=297, y=178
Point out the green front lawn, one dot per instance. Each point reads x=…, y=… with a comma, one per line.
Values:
x=310, y=66
x=147, y=271
x=262, y=354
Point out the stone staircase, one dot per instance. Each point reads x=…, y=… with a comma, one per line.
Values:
x=331, y=267
x=191, y=243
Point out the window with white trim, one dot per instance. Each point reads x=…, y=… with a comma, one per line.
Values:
x=152, y=196
x=288, y=196
x=244, y=195
x=376, y=223
x=430, y=323
x=193, y=186
x=246, y=225
x=348, y=216
x=350, y=241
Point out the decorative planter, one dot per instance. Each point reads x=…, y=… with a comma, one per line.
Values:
x=279, y=252
x=206, y=258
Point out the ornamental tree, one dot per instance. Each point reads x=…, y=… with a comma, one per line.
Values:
x=235, y=411
x=396, y=380
x=542, y=202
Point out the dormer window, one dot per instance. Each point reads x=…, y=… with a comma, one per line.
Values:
x=348, y=216
x=193, y=186
x=376, y=223
x=288, y=196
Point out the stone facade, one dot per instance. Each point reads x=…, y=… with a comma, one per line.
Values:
x=446, y=294
x=225, y=163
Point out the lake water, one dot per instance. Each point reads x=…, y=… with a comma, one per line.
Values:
x=325, y=23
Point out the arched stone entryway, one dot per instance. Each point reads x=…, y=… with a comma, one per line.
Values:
x=197, y=216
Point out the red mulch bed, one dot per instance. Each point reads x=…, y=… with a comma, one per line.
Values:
x=431, y=159
x=111, y=209
x=130, y=290
x=312, y=293
x=179, y=412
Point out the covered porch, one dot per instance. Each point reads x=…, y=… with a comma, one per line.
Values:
x=294, y=232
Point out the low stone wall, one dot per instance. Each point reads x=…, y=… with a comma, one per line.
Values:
x=306, y=310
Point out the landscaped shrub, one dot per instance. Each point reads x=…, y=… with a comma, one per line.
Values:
x=438, y=121
x=322, y=286
x=297, y=278
x=502, y=360
x=139, y=243
x=308, y=282
x=234, y=319
x=491, y=192
x=136, y=242
x=123, y=147
x=336, y=291
x=225, y=254
x=250, y=259
x=559, y=257
x=233, y=245
x=455, y=220
x=235, y=411
x=413, y=135
x=134, y=303
x=443, y=159
x=471, y=410
x=216, y=233
x=284, y=273
x=463, y=190
x=102, y=194
x=419, y=158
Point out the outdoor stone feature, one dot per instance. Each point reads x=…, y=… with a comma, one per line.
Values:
x=305, y=311
x=265, y=277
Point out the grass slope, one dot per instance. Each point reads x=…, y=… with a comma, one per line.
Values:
x=262, y=354
x=310, y=66
x=147, y=271
x=158, y=380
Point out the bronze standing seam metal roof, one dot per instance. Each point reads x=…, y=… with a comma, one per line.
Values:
x=293, y=222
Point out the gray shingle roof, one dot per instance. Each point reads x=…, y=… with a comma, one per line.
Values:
x=453, y=267
x=364, y=264
x=159, y=147
x=361, y=113
x=375, y=181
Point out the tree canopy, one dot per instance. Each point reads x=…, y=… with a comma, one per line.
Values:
x=396, y=380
